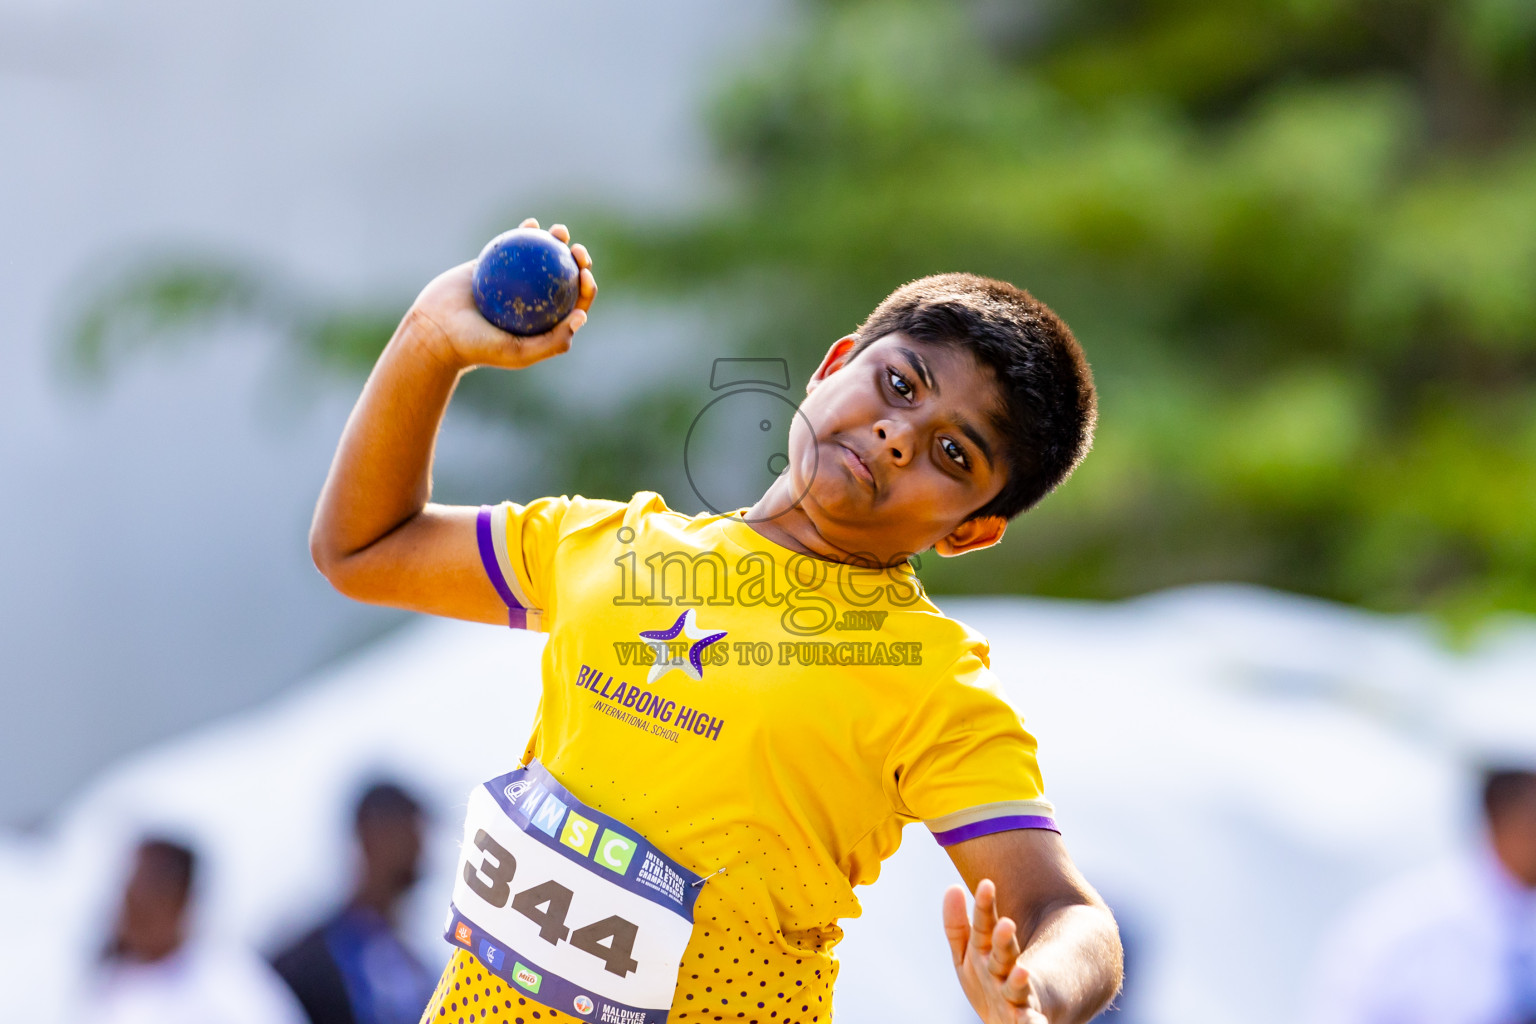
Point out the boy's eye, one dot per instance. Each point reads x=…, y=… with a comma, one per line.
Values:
x=955, y=452
x=899, y=384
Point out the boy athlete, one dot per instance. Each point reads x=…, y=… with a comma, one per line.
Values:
x=717, y=761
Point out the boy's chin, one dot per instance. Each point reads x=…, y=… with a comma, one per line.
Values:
x=838, y=500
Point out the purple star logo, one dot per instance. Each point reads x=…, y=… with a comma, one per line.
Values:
x=659, y=639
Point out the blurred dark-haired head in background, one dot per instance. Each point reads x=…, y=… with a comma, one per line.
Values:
x=152, y=923
x=1509, y=805
x=388, y=822
x=353, y=968
x=157, y=968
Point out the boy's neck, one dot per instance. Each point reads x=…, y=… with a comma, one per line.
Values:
x=778, y=518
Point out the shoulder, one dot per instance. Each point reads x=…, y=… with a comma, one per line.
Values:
x=560, y=516
x=576, y=511
x=953, y=652
x=645, y=507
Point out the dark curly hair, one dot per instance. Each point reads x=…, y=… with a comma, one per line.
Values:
x=1049, y=405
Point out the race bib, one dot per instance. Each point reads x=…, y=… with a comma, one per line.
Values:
x=567, y=905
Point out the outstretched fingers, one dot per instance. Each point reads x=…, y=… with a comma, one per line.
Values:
x=1017, y=989
x=957, y=929
x=1005, y=949
x=985, y=949
x=984, y=916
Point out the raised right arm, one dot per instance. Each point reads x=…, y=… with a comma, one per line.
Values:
x=376, y=535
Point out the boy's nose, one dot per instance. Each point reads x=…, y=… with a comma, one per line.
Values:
x=896, y=437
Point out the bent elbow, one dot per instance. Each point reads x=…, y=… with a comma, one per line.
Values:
x=330, y=561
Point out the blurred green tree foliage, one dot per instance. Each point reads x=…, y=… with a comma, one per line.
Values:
x=1296, y=237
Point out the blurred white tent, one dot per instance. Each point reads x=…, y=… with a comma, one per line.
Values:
x=1230, y=764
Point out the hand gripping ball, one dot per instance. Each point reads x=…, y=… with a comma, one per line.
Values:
x=526, y=281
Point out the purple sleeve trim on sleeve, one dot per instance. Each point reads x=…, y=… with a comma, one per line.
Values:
x=986, y=828
x=517, y=615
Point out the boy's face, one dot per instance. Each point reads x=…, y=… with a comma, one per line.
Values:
x=903, y=449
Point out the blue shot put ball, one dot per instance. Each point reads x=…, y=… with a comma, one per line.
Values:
x=526, y=281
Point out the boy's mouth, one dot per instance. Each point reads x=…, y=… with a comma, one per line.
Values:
x=858, y=466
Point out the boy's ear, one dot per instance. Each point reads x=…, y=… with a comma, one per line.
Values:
x=972, y=535
x=836, y=358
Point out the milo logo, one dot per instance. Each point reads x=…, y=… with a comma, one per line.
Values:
x=527, y=977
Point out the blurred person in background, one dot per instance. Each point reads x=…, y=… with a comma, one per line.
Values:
x=153, y=973
x=353, y=968
x=1453, y=944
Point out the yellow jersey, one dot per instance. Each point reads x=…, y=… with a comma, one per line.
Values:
x=768, y=719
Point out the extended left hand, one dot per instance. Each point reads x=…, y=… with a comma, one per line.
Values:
x=986, y=950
